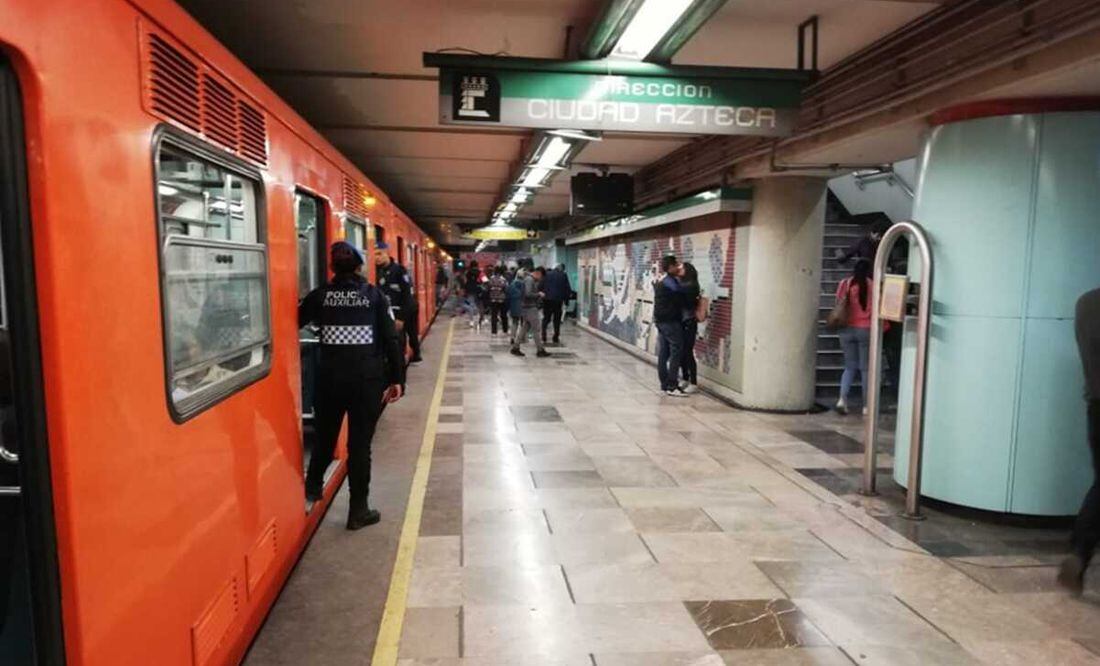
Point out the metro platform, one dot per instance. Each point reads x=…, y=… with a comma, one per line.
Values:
x=562, y=511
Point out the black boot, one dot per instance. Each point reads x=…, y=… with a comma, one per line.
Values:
x=361, y=515
x=314, y=491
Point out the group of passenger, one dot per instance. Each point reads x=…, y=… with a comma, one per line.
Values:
x=520, y=301
x=678, y=309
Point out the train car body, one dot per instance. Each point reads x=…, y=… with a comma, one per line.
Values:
x=164, y=211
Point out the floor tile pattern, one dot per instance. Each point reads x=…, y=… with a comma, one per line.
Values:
x=576, y=516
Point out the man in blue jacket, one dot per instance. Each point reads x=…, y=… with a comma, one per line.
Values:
x=557, y=289
x=668, y=312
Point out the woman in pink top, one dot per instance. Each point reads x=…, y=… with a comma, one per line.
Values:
x=855, y=338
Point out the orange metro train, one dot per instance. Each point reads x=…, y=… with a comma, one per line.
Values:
x=161, y=213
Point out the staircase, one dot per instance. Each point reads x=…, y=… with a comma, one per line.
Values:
x=839, y=234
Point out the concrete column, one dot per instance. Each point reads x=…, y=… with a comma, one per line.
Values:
x=782, y=285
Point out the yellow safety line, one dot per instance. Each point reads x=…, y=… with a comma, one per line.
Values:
x=389, y=632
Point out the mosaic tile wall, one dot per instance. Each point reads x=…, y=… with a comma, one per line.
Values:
x=616, y=287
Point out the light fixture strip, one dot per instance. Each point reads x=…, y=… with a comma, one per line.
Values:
x=650, y=24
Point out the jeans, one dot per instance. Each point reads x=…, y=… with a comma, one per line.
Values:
x=551, y=311
x=361, y=400
x=528, y=323
x=855, y=343
x=1086, y=531
x=499, y=311
x=670, y=348
x=687, y=360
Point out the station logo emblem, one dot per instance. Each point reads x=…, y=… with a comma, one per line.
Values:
x=476, y=97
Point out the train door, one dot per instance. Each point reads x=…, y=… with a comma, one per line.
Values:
x=30, y=599
x=309, y=213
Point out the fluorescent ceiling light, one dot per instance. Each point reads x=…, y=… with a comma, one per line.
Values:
x=553, y=153
x=521, y=195
x=167, y=190
x=649, y=25
x=509, y=207
x=535, y=176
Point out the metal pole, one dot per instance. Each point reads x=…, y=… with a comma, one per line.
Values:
x=920, y=370
x=873, y=381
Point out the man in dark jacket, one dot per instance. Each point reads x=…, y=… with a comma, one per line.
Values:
x=395, y=283
x=1086, y=532
x=668, y=312
x=360, y=369
x=557, y=289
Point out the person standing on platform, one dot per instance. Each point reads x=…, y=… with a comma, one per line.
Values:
x=668, y=313
x=557, y=289
x=514, y=296
x=855, y=337
x=498, y=300
x=441, y=283
x=529, y=322
x=689, y=283
x=360, y=369
x=394, y=282
x=1086, y=531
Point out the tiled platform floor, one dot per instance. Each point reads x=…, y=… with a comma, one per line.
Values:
x=576, y=516
x=603, y=523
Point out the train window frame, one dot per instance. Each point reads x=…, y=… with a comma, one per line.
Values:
x=323, y=210
x=363, y=224
x=188, y=407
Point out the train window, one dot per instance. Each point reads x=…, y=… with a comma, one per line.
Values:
x=355, y=232
x=214, y=279
x=310, y=220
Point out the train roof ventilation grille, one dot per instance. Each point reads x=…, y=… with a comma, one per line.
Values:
x=354, y=195
x=174, y=84
x=253, y=132
x=188, y=92
x=219, y=113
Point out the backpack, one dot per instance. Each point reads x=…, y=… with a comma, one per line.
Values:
x=497, y=287
x=515, y=297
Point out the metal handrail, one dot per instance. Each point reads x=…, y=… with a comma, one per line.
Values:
x=873, y=381
x=8, y=456
x=10, y=490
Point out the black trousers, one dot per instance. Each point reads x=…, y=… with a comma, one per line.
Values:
x=688, y=364
x=551, y=311
x=361, y=400
x=499, y=311
x=412, y=331
x=1086, y=532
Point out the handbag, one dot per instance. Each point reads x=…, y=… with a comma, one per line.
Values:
x=838, y=316
x=702, y=309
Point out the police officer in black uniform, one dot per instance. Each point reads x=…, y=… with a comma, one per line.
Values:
x=360, y=369
x=394, y=281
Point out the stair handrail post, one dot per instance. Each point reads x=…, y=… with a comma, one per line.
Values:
x=873, y=381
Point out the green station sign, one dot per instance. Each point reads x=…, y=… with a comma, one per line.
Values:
x=616, y=96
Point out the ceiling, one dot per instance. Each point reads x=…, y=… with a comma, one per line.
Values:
x=353, y=69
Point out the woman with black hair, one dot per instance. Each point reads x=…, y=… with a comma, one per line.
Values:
x=689, y=284
x=855, y=337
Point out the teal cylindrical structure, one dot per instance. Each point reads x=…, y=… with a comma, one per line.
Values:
x=1009, y=193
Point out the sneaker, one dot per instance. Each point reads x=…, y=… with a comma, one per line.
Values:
x=691, y=388
x=842, y=408
x=543, y=354
x=557, y=341
x=683, y=385
x=357, y=520
x=1071, y=575
x=516, y=352
x=675, y=393
x=416, y=360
